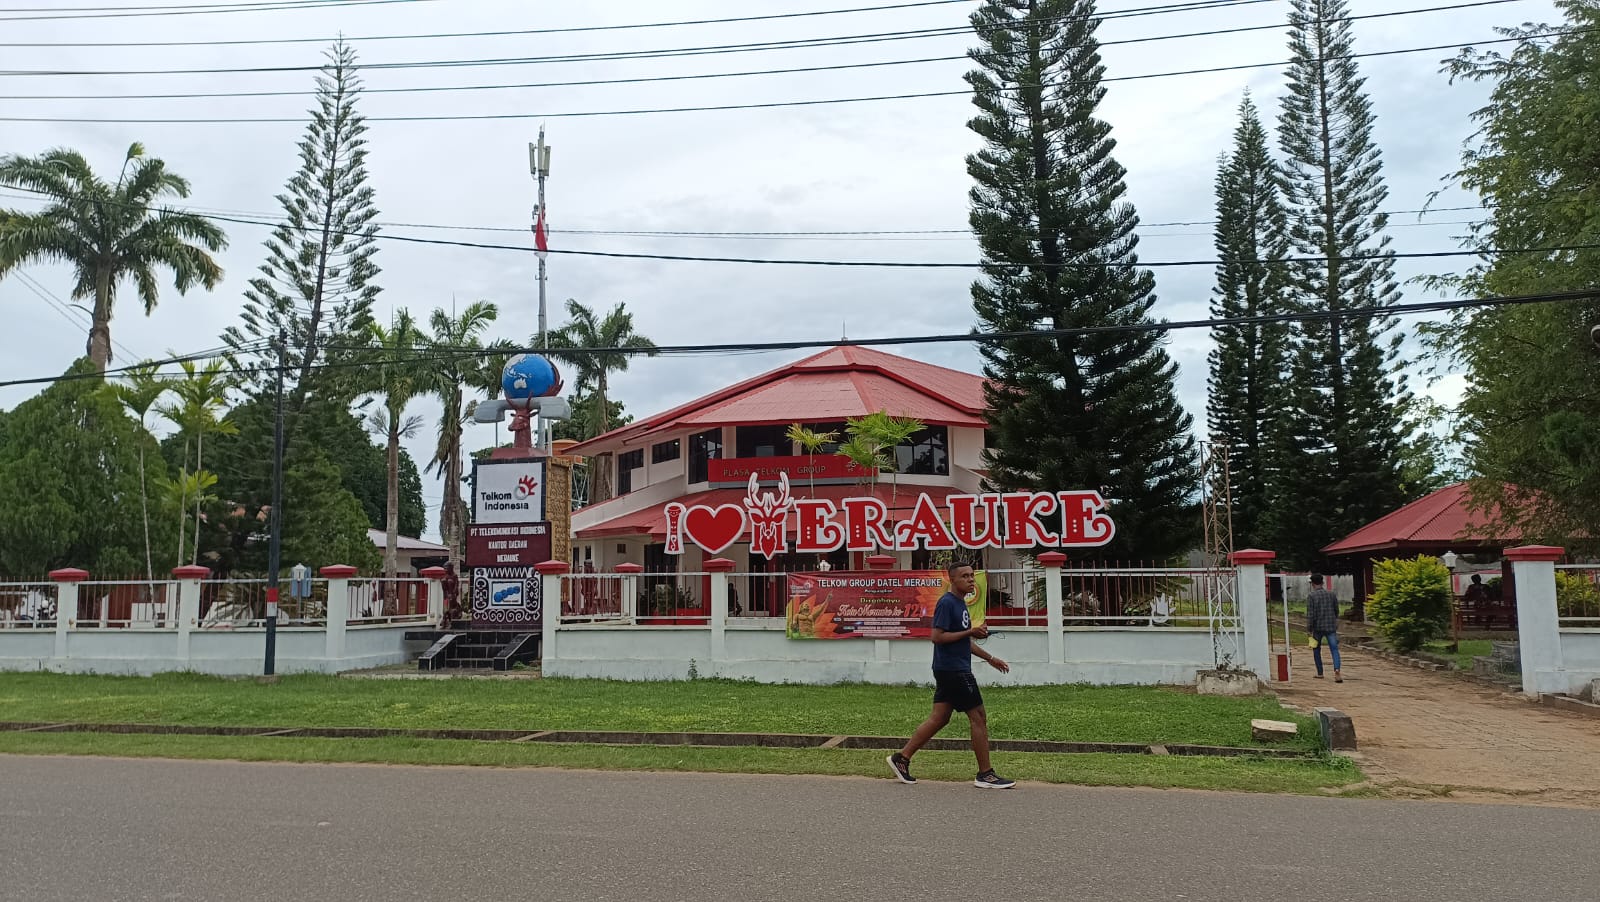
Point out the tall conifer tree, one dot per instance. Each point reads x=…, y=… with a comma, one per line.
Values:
x=319, y=279
x=1056, y=233
x=1344, y=428
x=1249, y=362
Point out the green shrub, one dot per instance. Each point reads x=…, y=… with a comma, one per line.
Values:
x=1410, y=603
x=1576, y=595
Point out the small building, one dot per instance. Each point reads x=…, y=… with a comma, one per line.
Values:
x=704, y=452
x=415, y=554
x=1439, y=523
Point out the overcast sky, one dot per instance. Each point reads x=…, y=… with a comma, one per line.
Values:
x=883, y=165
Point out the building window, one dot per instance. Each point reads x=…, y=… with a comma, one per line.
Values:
x=703, y=448
x=664, y=452
x=626, y=464
x=763, y=441
x=925, y=454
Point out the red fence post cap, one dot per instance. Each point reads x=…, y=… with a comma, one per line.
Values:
x=630, y=568
x=1536, y=553
x=553, y=568
x=719, y=565
x=68, y=575
x=1249, y=556
x=882, y=562
x=338, y=571
x=191, y=571
x=431, y=573
x=1052, y=559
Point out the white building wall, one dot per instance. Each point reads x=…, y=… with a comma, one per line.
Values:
x=221, y=652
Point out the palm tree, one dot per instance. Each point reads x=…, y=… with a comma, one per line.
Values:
x=452, y=378
x=141, y=387
x=395, y=376
x=107, y=232
x=200, y=411
x=872, y=443
x=812, y=441
x=598, y=348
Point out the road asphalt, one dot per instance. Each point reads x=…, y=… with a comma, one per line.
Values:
x=117, y=829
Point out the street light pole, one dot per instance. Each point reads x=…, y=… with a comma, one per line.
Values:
x=275, y=517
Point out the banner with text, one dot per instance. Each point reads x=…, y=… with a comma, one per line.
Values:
x=507, y=491
x=508, y=544
x=871, y=604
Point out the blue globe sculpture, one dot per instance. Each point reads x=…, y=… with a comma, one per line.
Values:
x=529, y=376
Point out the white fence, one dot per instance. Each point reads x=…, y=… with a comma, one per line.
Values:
x=197, y=624
x=1558, y=621
x=1105, y=626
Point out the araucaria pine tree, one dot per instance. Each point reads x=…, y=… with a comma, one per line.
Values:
x=1343, y=427
x=319, y=279
x=1056, y=231
x=1250, y=360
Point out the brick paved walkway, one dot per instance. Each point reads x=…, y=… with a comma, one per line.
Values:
x=1432, y=733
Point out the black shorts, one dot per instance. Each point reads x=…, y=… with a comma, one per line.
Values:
x=956, y=688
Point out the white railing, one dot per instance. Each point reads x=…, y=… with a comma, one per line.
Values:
x=126, y=604
x=639, y=599
x=26, y=606
x=1578, y=596
x=387, y=600
x=1015, y=598
x=242, y=604
x=1152, y=597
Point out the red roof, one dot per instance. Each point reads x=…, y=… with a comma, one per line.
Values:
x=652, y=521
x=835, y=384
x=1440, y=519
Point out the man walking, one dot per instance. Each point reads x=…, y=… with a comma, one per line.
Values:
x=955, y=688
x=1322, y=619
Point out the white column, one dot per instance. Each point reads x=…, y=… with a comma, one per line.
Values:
x=1533, y=571
x=1054, y=608
x=550, y=573
x=66, y=581
x=719, y=568
x=1252, y=601
x=188, y=606
x=338, y=613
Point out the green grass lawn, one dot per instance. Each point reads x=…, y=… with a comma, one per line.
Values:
x=1469, y=649
x=1148, y=715
x=1079, y=713
x=1312, y=776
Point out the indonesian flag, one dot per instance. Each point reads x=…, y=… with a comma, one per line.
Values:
x=541, y=241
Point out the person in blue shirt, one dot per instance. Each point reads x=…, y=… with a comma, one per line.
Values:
x=955, y=688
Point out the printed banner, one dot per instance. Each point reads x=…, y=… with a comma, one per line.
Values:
x=819, y=469
x=871, y=604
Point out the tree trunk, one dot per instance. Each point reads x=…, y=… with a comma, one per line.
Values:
x=183, y=502
x=450, y=517
x=99, y=347
x=144, y=506
x=391, y=551
x=199, y=458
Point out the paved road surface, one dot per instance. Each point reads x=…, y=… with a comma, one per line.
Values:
x=1432, y=728
x=111, y=829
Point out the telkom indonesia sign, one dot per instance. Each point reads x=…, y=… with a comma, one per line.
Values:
x=992, y=520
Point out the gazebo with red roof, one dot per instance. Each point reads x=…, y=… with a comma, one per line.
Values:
x=1437, y=523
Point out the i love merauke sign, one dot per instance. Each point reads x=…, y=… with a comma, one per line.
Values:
x=1076, y=519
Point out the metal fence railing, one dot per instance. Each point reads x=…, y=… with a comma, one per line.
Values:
x=645, y=599
x=127, y=604
x=1015, y=598
x=242, y=602
x=27, y=605
x=1162, y=597
x=1578, y=595
x=386, y=600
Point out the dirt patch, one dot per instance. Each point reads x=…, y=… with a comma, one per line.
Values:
x=1432, y=735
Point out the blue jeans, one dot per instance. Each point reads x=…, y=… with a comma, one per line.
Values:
x=1333, y=646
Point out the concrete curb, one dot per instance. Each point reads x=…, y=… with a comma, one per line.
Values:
x=599, y=737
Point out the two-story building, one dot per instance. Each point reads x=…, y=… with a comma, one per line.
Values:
x=703, y=452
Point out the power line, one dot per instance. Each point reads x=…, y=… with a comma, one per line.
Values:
x=200, y=95
x=479, y=117
x=899, y=264
x=427, y=354
x=482, y=34
x=68, y=311
x=48, y=14
x=703, y=50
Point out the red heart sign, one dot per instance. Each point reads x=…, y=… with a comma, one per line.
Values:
x=714, y=529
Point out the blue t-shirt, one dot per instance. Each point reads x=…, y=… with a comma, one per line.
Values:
x=951, y=615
